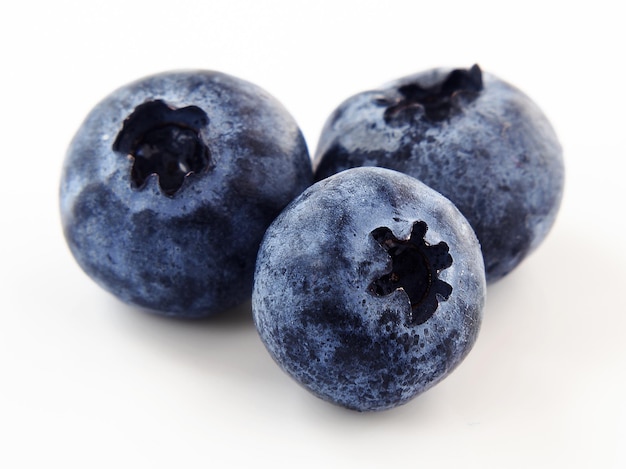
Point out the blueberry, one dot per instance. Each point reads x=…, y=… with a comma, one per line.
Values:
x=472, y=137
x=369, y=288
x=170, y=183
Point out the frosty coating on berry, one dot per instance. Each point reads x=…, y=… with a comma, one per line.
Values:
x=369, y=288
x=167, y=168
x=474, y=138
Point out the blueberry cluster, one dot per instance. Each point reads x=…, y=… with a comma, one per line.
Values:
x=187, y=193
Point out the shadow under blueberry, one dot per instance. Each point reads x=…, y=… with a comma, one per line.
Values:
x=234, y=319
x=224, y=345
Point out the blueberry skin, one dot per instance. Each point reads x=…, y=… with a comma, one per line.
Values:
x=313, y=303
x=186, y=247
x=491, y=151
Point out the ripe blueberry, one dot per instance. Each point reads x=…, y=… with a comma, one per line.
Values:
x=472, y=137
x=170, y=183
x=369, y=288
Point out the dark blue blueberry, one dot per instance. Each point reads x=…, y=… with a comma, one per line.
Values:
x=170, y=183
x=472, y=137
x=369, y=288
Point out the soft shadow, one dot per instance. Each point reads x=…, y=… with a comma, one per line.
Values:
x=237, y=317
x=423, y=408
x=225, y=346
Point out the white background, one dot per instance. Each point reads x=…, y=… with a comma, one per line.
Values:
x=87, y=382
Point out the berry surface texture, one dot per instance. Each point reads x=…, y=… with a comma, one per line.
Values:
x=469, y=135
x=170, y=183
x=369, y=288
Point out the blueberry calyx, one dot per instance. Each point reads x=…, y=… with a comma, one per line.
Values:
x=415, y=268
x=436, y=100
x=164, y=141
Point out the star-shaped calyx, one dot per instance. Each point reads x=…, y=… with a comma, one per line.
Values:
x=415, y=268
x=164, y=141
x=436, y=100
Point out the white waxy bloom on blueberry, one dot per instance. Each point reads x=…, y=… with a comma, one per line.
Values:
x=369, y=288
x=472, y=137
x=170, y=183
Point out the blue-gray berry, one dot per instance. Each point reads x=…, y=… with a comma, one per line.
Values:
x=477, y=140
x=170, y=183
x=369, y=288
